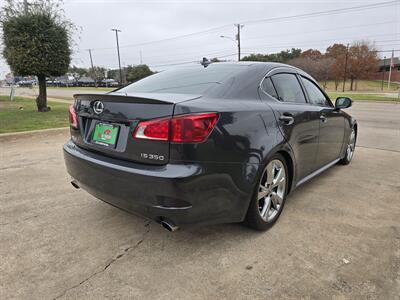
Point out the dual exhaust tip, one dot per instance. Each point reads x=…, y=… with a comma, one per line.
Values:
x=167, y=224
x=74, y=183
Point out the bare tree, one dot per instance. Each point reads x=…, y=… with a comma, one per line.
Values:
x=312, y=54
x=324, y=67
x=363, y=62
x=319, y=68
x=337, y=52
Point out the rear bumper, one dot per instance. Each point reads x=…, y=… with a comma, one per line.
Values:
x=183, y=193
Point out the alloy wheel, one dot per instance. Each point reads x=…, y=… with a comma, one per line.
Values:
x=272, y=190
x=351, y=146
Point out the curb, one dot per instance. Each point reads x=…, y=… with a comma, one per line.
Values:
x=378, y=101
x=23, y=134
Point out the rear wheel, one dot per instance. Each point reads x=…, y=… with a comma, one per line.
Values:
x=270, y=194
x=350, y=148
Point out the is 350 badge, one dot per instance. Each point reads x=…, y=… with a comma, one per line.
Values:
x=152, y=156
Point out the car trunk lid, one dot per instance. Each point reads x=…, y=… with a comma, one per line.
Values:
x=107, y=123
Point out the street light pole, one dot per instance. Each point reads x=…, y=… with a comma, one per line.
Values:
x=119, y=58
x=237, y=40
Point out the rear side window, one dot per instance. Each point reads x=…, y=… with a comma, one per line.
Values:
x=288, y=88
x=315, y=96
x=268, y=87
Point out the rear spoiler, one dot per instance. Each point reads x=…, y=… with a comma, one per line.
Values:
x=144, y=98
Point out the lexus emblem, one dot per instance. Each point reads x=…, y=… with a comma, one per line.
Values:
x=98, y=107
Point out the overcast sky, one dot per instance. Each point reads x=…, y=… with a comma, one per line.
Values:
x=148, y=22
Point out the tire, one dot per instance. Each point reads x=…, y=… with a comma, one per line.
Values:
x=269, y=195
x=350, y=148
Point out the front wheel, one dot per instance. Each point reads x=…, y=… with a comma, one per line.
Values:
x=270, y=195
x=351, y=147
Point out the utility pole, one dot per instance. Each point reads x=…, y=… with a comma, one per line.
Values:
x=390, y=69
x=383, y=71
x=141, y=58
x=91, y=62
x=239, y=26
x=345, y=67
x=119, y=58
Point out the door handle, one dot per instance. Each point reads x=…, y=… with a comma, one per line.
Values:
x=286, y=119
x=323, y=118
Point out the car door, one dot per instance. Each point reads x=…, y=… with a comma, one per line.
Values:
x=298, y=121
x=331, y=133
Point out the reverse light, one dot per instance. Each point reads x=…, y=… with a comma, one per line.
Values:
x=153, y=130
x=73, y=117
x=193, y=128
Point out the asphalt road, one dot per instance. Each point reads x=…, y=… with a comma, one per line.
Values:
x=338, y=237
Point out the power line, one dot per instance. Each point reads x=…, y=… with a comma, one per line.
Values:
x=168, y=39
x=269, y=20
x=317, y=31
x=324, y=13
x=310, y=43
x=395, y=50
x=211, y=54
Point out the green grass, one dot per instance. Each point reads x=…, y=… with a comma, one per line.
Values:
x=365, y=86
x=362, y=97
x=22, y=115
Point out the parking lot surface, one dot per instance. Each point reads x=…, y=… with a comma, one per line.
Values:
x=338, y=236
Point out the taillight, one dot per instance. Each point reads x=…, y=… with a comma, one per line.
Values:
x=194, y=128
x=153, y=130
x=73, y=117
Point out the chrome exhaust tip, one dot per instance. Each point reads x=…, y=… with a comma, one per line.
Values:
x=169, y=225
x=74, y=183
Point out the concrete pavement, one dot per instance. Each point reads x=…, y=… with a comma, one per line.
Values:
x=338, y=237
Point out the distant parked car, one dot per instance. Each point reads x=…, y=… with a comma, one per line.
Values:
x=27, y=83
x=86, y=82
x=109, y=83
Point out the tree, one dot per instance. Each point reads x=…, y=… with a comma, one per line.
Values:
x=312, y=54
x=114, y=74
x=36, y=40
x=96, y=73
x=362, y=62
x=135, y=73
x=324, y=70
x=78, y=72
x=338, y=53
x=317, y=68
x=282, y=57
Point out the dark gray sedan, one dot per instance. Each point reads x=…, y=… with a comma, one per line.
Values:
x=200, y=145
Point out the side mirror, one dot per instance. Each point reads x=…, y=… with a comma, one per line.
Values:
x=343, y=102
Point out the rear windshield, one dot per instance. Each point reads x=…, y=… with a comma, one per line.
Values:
x=186, y=80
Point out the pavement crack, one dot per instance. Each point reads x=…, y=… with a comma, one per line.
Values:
x=18, y=221
x=382, y=149
x=111, y=262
